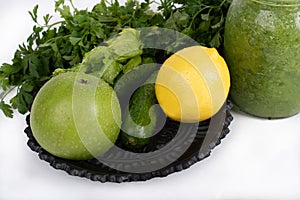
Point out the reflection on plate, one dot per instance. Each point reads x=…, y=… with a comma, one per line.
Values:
x=175, y=148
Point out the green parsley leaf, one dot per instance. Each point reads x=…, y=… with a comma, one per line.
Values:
x=6, y=109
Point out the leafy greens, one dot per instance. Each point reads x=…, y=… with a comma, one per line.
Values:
x=63, y=44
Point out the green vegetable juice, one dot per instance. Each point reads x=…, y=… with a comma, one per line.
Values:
x=262, y=49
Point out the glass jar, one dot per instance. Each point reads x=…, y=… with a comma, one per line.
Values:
x=262, y=50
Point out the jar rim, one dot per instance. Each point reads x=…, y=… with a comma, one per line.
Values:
x=279, y=2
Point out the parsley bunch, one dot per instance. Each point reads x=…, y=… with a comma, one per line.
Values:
x=202, y=20
x=63, y=44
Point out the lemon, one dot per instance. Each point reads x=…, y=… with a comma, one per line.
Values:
x=193, y=84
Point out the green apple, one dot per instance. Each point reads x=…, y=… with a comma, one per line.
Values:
x=76, y=116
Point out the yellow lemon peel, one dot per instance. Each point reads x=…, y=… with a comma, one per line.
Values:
x=193, y=84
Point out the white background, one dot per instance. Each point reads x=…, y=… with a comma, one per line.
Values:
x=259, y=159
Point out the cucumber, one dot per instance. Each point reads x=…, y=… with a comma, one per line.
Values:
x=139, y=121
x=127, y=83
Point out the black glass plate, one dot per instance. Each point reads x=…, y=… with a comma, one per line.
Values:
x=175, y=148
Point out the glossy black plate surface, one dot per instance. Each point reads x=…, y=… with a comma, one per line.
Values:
x=175, y=148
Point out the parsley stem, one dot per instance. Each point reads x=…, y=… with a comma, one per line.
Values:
x=74, y=8
x=6, y=92
x=56, y=23
x=197, y=13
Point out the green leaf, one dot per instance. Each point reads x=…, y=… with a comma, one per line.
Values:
x=65, y=12
x=58, y=3
x=81, y=18
x=14, y=103
x=204, y=26
x=25, y=64
x=27, y=87
x=6, y=109
x=47, y=19
x=9, y=69
x=4, y=83
x=28, y=98
x=74, y=40
x=157, y=20
x=126, y=45
x=181, y=18
x=132, y=63
x=15, y=79
x=37, y=29
x=219, y=24
x=205, y=16
x=98, y=59
x=181, y=1
x=215, y=42
x=33, y=13
x=33, y=63
x=21, y=103
x=171, y=23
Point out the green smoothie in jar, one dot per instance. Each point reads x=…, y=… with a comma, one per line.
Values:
x=262, y=50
